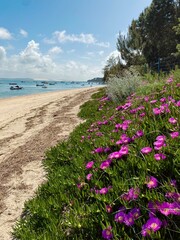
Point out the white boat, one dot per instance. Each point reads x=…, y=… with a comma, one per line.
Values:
x=16, y=87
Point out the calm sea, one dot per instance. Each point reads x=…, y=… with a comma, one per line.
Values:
x=34, y=87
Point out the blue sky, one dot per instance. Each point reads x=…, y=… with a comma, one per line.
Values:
x=62, y=39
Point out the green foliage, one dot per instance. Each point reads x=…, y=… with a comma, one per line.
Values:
x=177, y=30
x=130, y=46
x=112, y=68
x=69, y=206
x=151, y=36
x=160, y=38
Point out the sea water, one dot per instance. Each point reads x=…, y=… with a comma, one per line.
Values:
x=30, y=86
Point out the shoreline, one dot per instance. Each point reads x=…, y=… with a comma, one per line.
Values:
x=49, y=92
x=29, y=125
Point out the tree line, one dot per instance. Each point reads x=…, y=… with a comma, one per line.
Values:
x=154, y=35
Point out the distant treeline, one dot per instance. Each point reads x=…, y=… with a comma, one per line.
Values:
x=154, y=36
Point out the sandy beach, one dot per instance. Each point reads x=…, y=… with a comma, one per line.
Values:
x=29, y=125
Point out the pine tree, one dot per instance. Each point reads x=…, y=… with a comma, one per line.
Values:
x=160, y=39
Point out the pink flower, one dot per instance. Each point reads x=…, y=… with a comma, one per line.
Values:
x=174, y=134
x=173, y=183
x=146, y=99
x=119, y=217
x=99, y=150
x=129, y=220
x=175, y=208
x=165, y=208
x=173, y=195
x=89, y=165
x=140, y=133
x=170, y=80
x=152, y=183
x=132, y=194
x=108, y=208
x=160, y=142
x=157, y=111
x=159, y=156
x=107, y=233
x=103, y=190
x=146, y=150
x=152, y=225
x=124, y=150
x=115, y=155
x=178, y=103
x=105, y=164
x=88, y=177
x=153, y=101
x=161, y=138
x=135, y=212
x=172, y=120
x=124, y=139
x=163, y=100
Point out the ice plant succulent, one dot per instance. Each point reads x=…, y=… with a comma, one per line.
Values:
x=152, y=183
x=159, y=156
x=88, y=177
x=105, y=164
x=146, y=150
x=152, y=225
x=172, y=120
x=119, y=217
x=89, y=164
x=174, y=134
x=107, y=233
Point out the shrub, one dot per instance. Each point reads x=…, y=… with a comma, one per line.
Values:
x=118, y=88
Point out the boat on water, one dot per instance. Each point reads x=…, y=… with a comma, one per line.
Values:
x=44, y=82
x=16, y=87
x=39, y=85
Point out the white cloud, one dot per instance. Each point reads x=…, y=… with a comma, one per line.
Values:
x=49, y=41
x=5, y=34
x=78, y=71
x=55, y=50
x=82, y=38
x=3, y=58
x=31, y=53
x=2, y=53
x=63, y=37
x=23, y=33
x=31, y=62
x=103, y=44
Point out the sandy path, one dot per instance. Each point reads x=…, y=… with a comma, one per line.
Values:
x=28, y=126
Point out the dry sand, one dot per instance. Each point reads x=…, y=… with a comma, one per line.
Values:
x=29, y=125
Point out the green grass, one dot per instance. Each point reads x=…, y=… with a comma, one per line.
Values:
x=67, y=206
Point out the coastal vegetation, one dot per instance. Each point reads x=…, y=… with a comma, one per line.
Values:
x=117, y=175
